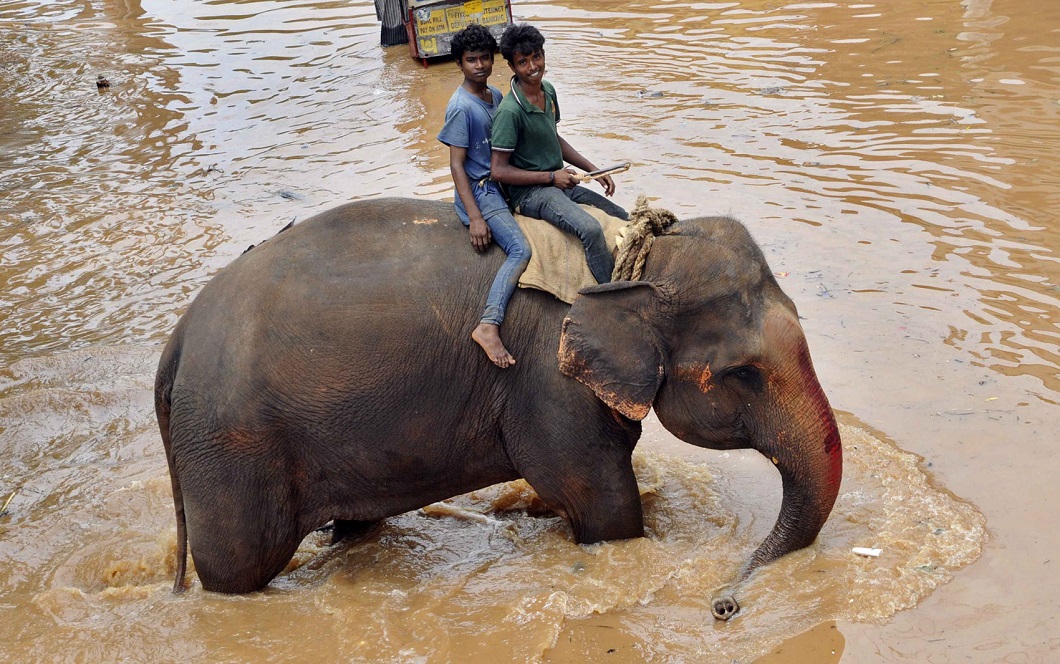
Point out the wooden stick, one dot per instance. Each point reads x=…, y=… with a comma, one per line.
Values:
x=618, y=168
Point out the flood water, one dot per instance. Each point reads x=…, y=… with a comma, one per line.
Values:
x=897, y=161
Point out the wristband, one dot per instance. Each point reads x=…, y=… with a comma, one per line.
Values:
x=552, y=177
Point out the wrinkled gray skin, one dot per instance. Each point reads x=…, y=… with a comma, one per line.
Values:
x=328, y=374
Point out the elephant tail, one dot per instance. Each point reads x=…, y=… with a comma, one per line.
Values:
x=167, y=369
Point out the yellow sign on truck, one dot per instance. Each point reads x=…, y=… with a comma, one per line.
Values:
x=431, y=24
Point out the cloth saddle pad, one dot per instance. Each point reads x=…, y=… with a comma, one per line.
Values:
x=557, y=260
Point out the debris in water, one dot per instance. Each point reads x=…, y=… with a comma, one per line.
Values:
x=450, y=510
x=3, y=510
x=863, y=551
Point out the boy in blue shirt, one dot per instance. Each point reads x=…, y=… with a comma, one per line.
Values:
x=479, y=202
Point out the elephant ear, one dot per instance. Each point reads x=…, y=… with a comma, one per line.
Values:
x=609, y=344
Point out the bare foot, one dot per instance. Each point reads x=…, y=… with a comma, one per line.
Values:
x=488, y=336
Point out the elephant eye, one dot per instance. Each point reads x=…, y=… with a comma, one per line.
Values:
x=747, y=375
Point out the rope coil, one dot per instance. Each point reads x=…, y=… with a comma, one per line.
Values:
x=636, y=238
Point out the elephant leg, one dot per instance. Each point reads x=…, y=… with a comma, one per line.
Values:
x=242, y=528
x=353, y=531
x=240, y=561
x=596, y=491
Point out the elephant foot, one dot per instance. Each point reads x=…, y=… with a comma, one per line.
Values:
x=724, y=607
x=352, y=532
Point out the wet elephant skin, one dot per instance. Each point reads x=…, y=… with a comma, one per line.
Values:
x=328, y=374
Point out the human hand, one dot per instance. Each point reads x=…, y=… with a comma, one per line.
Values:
x=566, y=179
x=608, y=184
x=480, y=234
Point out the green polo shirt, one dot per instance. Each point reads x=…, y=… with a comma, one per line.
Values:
x=529, y=134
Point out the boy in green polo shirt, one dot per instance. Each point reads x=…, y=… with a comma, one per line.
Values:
x=529, y=153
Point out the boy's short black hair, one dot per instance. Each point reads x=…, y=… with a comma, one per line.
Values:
x=471, y=39
x=521, y=40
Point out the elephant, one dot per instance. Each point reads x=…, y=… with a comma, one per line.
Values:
x=328, y=375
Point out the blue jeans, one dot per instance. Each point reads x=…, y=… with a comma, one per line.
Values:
x=559, y=207
x=509, y=237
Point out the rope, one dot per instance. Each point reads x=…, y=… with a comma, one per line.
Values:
x=644, y=224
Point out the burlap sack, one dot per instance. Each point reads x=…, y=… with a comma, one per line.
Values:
x=557, y=261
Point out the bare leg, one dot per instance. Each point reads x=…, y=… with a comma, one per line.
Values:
x=488, y=336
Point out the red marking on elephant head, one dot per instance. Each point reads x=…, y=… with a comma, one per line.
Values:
x=697, y=373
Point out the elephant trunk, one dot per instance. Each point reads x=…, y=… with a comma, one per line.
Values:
x=803, y=442
x=808, y=497
x=809, y=456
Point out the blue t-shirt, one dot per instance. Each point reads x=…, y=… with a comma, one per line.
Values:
x=468, y=121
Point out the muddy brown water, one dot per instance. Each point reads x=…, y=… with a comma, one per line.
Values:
x=896, y=160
